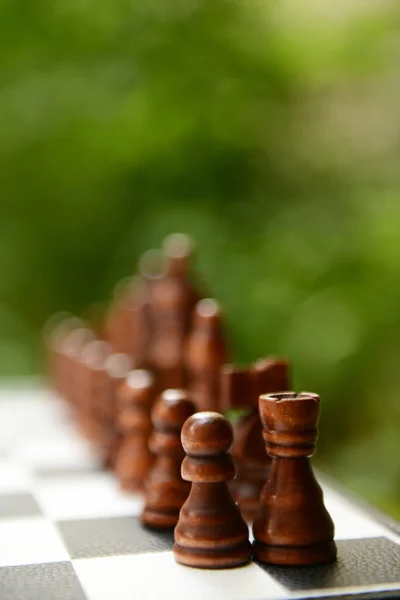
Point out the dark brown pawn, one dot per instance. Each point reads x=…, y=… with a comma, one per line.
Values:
x=126, y=326
x=206, y=353
x=172, y=298
x=115, y=369
x=165, y=490
x=92, y=378
x=55, y=331
x=135, y=397
x=211, y=532
x=292, y=526
x=239, y=389
x=69, y=365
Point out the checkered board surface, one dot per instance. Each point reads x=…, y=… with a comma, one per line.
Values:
x=68, y=533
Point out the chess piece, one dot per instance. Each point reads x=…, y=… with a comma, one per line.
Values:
x=69, y=364
x=126, y=323
x=171, y=301
x=292, y=526
x=55, y=331
x=114, y=371
x=239, y=389
x=205, y=355
x=92, y=378
x=165, y=490
x=135, y=397
x=114, y=327
x=211, y=532
x=270, y=375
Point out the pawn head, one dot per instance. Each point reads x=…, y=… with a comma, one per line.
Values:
x=137, y=388
x=172, y=409
x=207, y=434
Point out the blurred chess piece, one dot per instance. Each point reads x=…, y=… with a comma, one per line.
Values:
x=92, y=378
x=69, y=365
x=241, y=389
x=113, y=372
x=205, y=354
x=126, y=323
x=54, y=333
x=135, y=398
x=172, y=297
x=165, y=490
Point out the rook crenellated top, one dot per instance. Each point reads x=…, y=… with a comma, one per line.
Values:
x=290, y=423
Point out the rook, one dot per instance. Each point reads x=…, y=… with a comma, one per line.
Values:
x=292, y=526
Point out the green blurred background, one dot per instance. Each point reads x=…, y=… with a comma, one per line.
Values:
x=268, y=131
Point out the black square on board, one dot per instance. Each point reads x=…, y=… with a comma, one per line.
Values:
x=92, y=538
x=363, y=562
x=18, y=505
x=47, y=581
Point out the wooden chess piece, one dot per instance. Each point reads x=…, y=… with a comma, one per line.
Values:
x=270, y=375
x=126, y=322
x=69, y=364
x=152, y=269
x=239, y=389
x=211, y=532
x=205, y=354
x=54, y=333
x=248, y=451
x=91, y=380
x=114, y=326
x=165, y=490
x=172, y=297
x=114, y=371
x=135, y=397
x=292, y=526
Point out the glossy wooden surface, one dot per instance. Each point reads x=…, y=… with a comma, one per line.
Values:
x=172, y=297
x=91, y=379
x=292, y=525
x=165, y=490
x=240, y=386
x=126, y=324
x=135, y=398
x=211, y=532
x=206, y=352
x=115, y=369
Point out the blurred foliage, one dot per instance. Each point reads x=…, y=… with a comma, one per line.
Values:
x=270, y=132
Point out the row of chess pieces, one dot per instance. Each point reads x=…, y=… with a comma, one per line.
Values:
x=150, y=387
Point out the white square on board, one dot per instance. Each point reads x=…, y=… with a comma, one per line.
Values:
x=156, y=575
x=63, y=451
x=350, y=521
x=13, y=478
x=86, y=496
x=30, y=540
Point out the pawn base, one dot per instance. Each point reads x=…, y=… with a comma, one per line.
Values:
x=316, y=554
x=225, y=558
x=159, y=520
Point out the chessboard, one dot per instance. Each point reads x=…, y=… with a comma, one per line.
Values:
x=67, y=532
